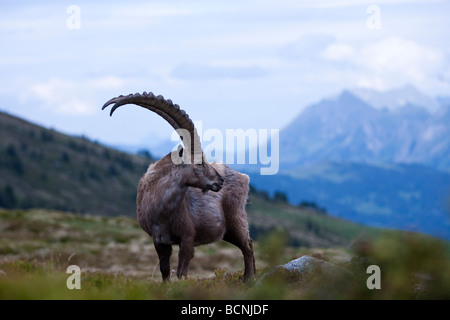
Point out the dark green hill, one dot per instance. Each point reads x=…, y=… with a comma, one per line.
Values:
x=42, y=168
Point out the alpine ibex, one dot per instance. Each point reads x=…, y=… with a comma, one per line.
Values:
x=184, y=200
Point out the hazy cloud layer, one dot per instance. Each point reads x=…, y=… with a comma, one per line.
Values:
x=256, y=62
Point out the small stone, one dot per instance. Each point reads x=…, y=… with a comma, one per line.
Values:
x=309, y=273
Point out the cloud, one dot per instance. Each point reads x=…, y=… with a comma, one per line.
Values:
x=390, y=62
x=394, y=61
x=204, y=71
x=134, y=15
x=72, y=97
x=394, y=54
x=337, y=51
x=324, y=4
x=306, y=47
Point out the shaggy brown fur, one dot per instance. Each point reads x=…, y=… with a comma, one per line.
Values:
x=186, y=202
x=174, y=206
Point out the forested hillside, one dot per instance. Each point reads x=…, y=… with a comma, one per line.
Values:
x=42, y=168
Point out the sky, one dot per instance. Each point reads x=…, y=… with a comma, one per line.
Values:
x=230, y=64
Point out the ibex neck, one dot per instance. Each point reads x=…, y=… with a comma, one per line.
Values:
x=167, y=182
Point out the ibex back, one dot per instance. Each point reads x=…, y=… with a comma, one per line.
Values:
x=184, y=200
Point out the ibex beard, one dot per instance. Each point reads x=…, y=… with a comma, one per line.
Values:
x=184, y=200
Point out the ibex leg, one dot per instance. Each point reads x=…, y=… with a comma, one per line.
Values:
x=164, y=252
x=245, y=243
x=185, y=256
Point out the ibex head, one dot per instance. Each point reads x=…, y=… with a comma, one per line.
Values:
x=199, y=175
x=197, y=171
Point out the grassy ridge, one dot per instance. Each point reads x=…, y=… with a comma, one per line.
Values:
x=304, y=227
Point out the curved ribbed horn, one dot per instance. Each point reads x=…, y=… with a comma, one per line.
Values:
x=170, y=112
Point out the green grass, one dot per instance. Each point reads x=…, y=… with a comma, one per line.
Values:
x=118, y=261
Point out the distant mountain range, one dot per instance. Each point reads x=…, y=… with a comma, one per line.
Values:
x=348, y=128
x=376, y=158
